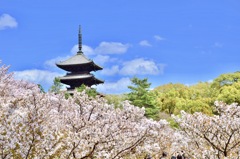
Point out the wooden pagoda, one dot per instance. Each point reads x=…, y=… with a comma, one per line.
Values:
x=78, y=69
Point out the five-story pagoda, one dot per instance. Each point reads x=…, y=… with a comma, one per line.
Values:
x=78, y=69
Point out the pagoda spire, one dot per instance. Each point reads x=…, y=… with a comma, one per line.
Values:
x=80, y=40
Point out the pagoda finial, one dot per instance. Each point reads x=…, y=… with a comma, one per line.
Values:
x=80, y=40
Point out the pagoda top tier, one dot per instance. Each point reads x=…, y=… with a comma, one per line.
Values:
x=78, y=62
x=78, y=59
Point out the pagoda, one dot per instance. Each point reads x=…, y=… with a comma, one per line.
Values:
x=78, y=69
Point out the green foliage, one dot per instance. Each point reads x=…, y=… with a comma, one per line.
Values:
x=201, y=90
x=229, y=93
x=139, y=92
x=116, y=100
x=41, y=88
x=226, y=88
x=170, y=95
x=192, y=106
x=173, y=123
x=91, y=92
x=200, y=99
x=67, y=95
x=141, y=96
x=172, y=98
x=57, y=86
x=226, y=80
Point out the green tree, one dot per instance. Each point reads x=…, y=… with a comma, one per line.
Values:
x=182, y=89
x=226, y=88
x=141, y=96
x=116, y=100
x=91, y=92
x=200, y=90
x=201, y=95
x=57, y=86
x=173, y=98
x=41, y=88
x=229, y=94
x=192, y=106
x=226, y=80
x=169, y=95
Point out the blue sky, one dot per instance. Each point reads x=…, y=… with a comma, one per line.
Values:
x=185, y=41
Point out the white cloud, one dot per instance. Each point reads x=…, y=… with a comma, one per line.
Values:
x=118, y=87
x=103, y=48
x=42, y=77
x=7, y=21
x=110, y=71
x=86, y=49
x=138, y=66
x=101, y=59
x=112, y=48
x=141, y=67
x=74, y=49
x=51, y=64
x=144, y=43
x=159, y=38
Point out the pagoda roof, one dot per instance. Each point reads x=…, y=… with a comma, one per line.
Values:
x=87, y=79
x=77, y=60
x=78, y=76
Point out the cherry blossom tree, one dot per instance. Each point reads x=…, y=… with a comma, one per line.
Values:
x=216, y=136
x=46, y=125
x=29, y=119
x=41, y=125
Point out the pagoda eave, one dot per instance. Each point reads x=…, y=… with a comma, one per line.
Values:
x=79, y=67
x=87, y=80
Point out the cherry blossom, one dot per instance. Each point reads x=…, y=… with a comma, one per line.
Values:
x=216, y=136
x=46, y=125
